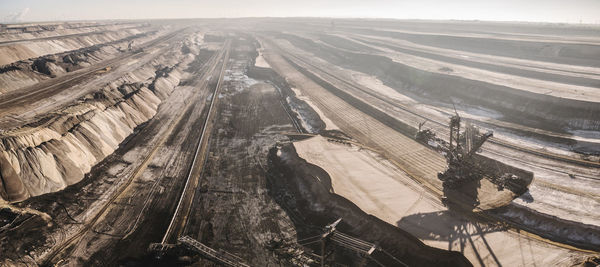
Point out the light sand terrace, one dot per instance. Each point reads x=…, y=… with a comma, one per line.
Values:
x=374, y=185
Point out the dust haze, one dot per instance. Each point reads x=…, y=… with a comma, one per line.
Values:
x=273, y=133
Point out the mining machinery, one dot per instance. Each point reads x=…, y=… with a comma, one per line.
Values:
x=130, y=46
x=461, y=165
x=424, y=136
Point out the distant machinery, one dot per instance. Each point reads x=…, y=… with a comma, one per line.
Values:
x=464, y=165
x=461, y=165
x=368, y=251
x=104, y=70
x=223, y=257
x=424, y=135
x=130, y=46
x=220, y=256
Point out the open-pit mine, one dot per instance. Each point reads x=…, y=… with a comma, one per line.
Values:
x=299, y=142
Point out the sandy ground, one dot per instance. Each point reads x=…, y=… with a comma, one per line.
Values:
x=421, y=162
x=548, y=190
x=548, y=199
x=530, y=252
x=433, y=112
x=329, y=125
x=260, y=61
x=555, y=68
x=514, y=37
x=386, y=192
x=542, y=87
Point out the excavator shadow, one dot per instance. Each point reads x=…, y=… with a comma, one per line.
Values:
x=461, y=234
x=472, y=181
x=462, y=198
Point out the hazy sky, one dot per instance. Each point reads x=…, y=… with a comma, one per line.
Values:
x=572, y=11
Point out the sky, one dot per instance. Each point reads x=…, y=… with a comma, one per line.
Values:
x=559, y=11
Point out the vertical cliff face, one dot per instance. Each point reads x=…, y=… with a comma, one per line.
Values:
x=57, y=150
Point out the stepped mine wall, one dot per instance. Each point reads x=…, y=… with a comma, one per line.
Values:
x=30, y=71
x=18, y=32
x=58, y=150
x=518, y=106
x=16, y=51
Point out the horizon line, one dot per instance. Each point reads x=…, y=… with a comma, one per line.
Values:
x=309, y=17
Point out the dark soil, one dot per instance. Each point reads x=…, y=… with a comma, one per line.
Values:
x=292, y=183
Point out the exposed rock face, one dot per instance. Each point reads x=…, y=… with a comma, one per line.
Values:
x=11, y=187
x=72, y=41
x=59, y=149
x=47, y=66
x=26, y=72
